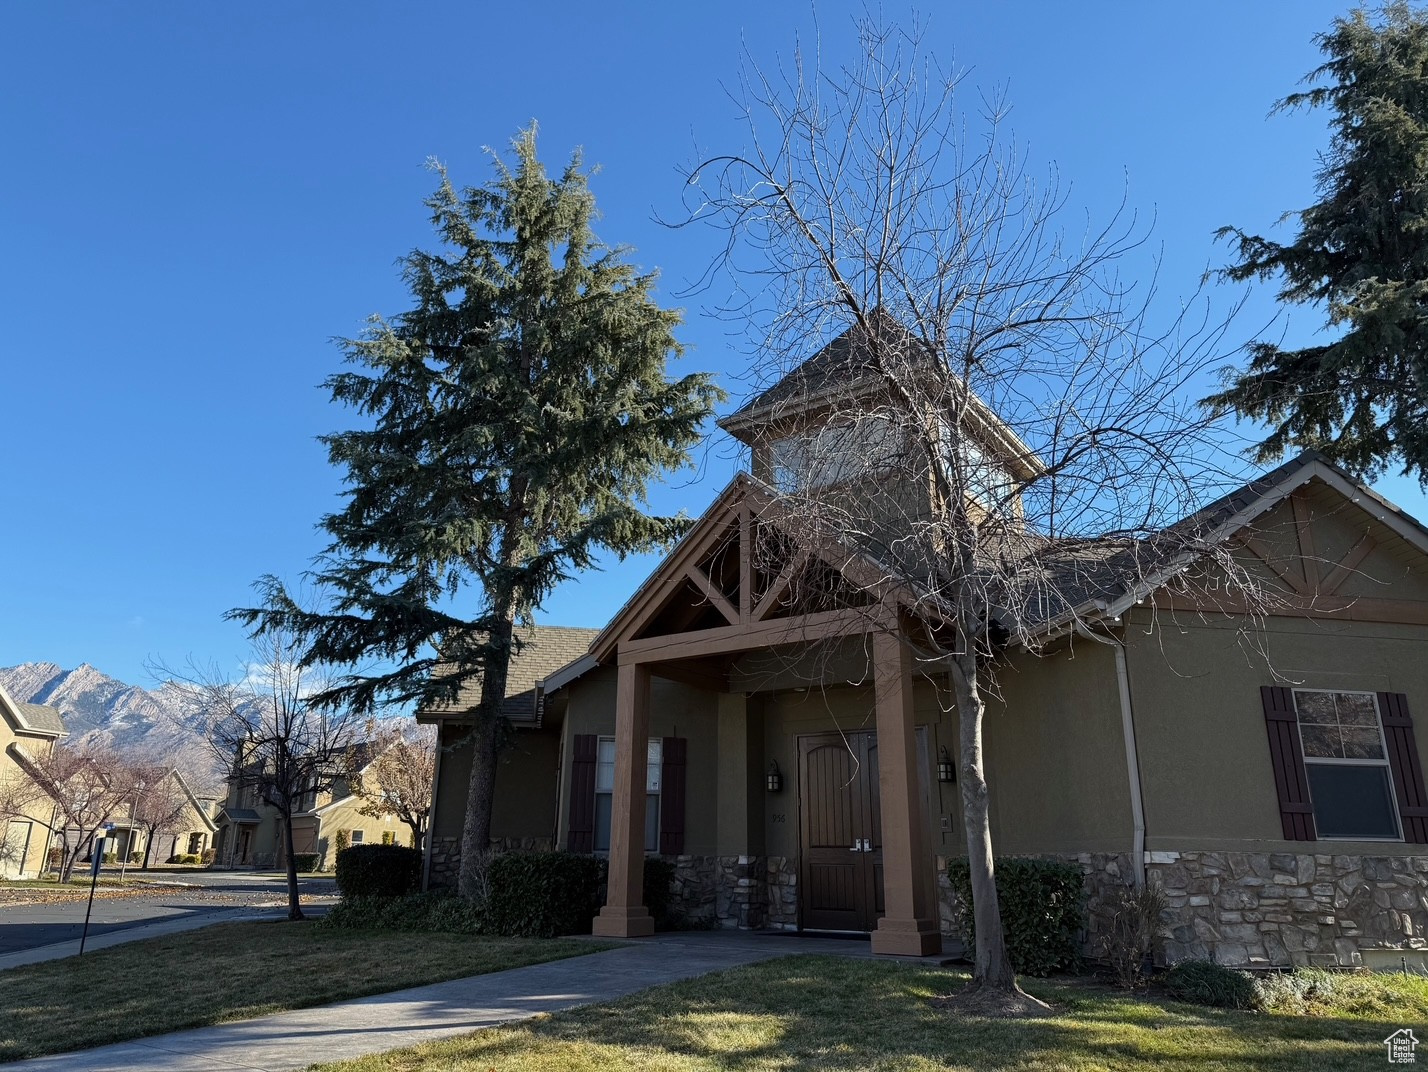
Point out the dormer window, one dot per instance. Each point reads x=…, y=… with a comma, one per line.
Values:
x=988, y=481
x=833, y=454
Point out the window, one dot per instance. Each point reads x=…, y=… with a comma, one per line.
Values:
x=1350, y=784
x=605, y=788
x=357, y=836
x=833, y=454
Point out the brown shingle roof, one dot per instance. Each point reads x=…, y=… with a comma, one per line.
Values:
x=544, y=650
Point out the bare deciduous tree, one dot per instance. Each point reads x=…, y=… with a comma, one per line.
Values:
x=156, y=800
x=269, y=735
x=70, y=791
x=999, y=432
x=394, y=774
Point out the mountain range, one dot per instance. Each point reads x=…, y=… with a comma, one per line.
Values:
x=158, y=723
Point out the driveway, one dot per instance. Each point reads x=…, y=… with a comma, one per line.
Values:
x=215, y=893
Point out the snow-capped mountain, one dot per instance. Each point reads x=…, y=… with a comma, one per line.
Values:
x=157, y=723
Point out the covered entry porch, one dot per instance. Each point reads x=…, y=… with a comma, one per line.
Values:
x=723, y=615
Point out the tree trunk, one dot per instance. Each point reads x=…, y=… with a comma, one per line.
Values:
x=294, y=904
x=480, y=792
x=992, y=967
x=148, y=848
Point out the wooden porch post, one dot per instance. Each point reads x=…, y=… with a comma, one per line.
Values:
x=909, y=926
x=624, y=914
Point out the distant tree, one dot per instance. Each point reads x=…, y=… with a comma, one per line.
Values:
x=513, y=419
x=70, y=790
x=394, y=774
x=156, y=800
x=272, y=736
x=1361, y=254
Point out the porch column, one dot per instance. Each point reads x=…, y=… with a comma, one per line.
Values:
x=909, y=926
x=624, y=914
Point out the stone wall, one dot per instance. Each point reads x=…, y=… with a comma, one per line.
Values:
x=1276, y=909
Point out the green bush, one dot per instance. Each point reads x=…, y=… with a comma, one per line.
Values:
x=378, y=871
x=307, y=861
x=183, y=858
x=541, y=894
x=1043, y=910
x=206, y=856
x=437, y=911
x=659, y=877
x=1207, y=983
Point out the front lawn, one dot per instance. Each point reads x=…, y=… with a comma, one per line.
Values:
x=803, y=1014
x=232, y=971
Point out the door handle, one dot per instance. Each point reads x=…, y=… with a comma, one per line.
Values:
x=862, y=844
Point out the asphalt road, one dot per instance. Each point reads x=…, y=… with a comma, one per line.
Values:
x=218, y=893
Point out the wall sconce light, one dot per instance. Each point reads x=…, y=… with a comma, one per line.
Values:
x=774, y=778
x=946, y=769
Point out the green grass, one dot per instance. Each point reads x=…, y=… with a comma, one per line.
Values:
x=807, y=1014
x=230, y=972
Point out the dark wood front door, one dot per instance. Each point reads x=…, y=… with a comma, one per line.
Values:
x=840, y=863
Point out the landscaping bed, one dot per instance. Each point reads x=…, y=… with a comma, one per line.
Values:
x=814, y=1013
x=233, y=971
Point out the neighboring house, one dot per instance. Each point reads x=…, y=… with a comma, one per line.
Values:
x=784, y=752
x=250, y=831
x=188, y=827
x=24, y=839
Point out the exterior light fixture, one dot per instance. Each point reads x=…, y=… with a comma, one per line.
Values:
x=774, y=778
x=946, y=769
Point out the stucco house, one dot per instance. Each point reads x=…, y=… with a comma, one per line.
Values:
x=187, y=827
x=249, y=830
x=798, y=764
x=24, y=838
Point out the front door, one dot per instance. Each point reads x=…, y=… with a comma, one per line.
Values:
x=840, y=865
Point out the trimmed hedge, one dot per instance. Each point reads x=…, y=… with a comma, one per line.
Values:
x=532, y=895
x=378, y=871
x=307, y=861
x=1043, y=910
x=542, y=894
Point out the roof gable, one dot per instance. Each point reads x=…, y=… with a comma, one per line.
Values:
x=37, y=720
x=544, y=649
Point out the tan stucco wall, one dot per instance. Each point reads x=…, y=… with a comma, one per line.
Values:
x=524, y=806
x=1200, y=724
x=33, y=861
x=1055, y=755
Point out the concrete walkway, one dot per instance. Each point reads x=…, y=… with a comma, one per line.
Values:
x=294, y=1040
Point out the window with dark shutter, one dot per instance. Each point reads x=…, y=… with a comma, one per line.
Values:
x=580, y=836
x=671, y=831
x=1407, y=769
x=1296, y=814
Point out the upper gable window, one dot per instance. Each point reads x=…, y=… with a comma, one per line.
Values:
x=987, y=479
x=1346, y=761
x=833, y=454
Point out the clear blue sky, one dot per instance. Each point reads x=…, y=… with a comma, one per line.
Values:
x=195, y=198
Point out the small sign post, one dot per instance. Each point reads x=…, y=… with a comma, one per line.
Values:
x=96, y=858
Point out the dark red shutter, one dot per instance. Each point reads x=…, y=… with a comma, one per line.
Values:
x=671, y=804
x=1296, y=814
x=1407, y=769
x=581, y=834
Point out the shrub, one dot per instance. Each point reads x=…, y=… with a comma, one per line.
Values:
x=206, y=857
x=541, y=894
x=378, y=871
x=111, y=857
x=306, y=861
x=388, y=838
x=1043, y=910
x=659, y=877
x=1207, y=983
x=1135, y=925
x=342, y=839
x=136, y=857
x=183, y=858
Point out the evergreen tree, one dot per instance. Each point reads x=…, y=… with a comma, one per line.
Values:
x=1361, y=253
x=514, y=418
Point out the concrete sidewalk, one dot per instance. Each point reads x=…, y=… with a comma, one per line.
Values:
x=294, y=1040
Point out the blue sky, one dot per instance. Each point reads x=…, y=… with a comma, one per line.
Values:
x=196, y=198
